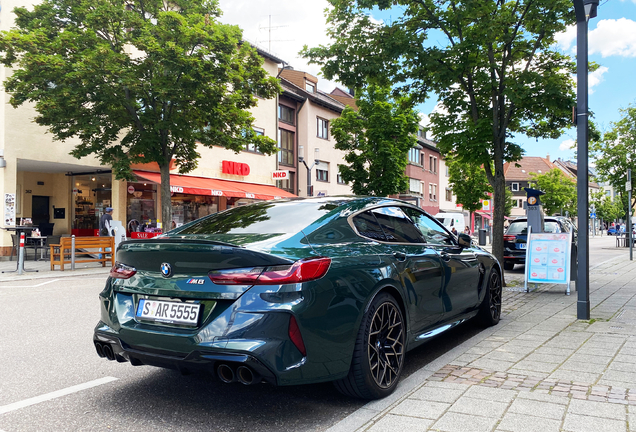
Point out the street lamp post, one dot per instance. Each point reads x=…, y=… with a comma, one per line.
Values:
x=309, y=168
x=585, y=9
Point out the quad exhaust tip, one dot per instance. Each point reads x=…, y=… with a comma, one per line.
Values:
x=226, y=373
x=247, y=376
x=105, y=350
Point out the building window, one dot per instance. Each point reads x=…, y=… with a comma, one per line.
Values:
x=415, y=186
x=286, y=146
x=422, y=158
x=519, y=203
x=339, y=179
x=432, y=192
x=287, y=184
x=514, y=187
x=286, y=114
x=432, y=164
x=322, y=172
x=252, y=147
x=447, y=172
x=420, y=133
x=323, y=128
x=310, y=87
x=449, y=194
x=414, y=155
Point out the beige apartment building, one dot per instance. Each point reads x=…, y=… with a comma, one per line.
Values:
x=308, y=152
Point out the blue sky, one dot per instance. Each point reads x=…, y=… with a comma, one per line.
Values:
x=284, y=26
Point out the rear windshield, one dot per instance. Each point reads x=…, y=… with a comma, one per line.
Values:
x=260, y=218
x=522, y=227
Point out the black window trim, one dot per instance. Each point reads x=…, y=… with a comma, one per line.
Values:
x=401, y=206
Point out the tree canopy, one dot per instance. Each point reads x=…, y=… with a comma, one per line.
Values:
x=492, y=64
x=376, y=140
x=606, y=209
x=560, y=191
x=469, y=183
x=137, y=81
x=616, y=151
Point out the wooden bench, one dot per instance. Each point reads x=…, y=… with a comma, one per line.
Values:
x=85, y=248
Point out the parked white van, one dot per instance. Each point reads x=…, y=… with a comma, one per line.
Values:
x=450, y=220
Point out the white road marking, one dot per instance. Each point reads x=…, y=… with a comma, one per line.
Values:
x=53, y=395
x=48, y=282
x=32, y=286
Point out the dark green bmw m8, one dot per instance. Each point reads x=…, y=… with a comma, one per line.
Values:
x=295, y=292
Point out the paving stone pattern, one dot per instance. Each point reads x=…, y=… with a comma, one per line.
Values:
x=540, y=369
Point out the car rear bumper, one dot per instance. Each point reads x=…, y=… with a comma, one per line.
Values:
x=198, y=360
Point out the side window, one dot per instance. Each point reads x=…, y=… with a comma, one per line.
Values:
x=367, y=226
x=397, y=227
x=433, y=232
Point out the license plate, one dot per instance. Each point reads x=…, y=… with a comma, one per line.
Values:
x=169, y=312
x=521, y=245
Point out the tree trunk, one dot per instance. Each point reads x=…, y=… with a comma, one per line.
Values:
x=166, y=205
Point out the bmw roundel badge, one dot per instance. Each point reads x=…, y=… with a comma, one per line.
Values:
x=166, y=270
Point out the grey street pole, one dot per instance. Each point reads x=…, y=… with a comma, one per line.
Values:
x=629, y=215
x=309, y=167
x=585, y=9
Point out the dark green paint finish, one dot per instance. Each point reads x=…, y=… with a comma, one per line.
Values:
x=254, y=320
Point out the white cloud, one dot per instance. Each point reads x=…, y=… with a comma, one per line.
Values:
x=567, y=145
x=595, y=78
x=611, y=37
x=293, y=24
x=567, y=38
x=614, y=37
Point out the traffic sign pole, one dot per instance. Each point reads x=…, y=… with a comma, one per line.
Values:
x=629, y=215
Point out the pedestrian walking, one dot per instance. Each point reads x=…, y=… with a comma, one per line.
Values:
x=104, y=223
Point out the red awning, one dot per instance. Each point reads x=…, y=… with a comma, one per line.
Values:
x=216, y=187
x=486, y=215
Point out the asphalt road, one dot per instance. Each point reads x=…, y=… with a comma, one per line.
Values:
x=51, y=379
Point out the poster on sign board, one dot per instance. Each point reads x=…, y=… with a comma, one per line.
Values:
x=9, y=209
x=548, y=258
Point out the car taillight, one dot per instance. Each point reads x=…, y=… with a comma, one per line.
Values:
x=122, y=271
x=510, y=238
x=295, y=336
x=304, y=270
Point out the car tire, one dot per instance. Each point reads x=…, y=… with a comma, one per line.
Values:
x=509, y=265
x=378, y=355
x=490, y=309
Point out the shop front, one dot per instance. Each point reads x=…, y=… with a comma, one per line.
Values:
x=91, y=196
x=191, y=198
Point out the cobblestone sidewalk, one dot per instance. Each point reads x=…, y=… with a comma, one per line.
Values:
x=540, y=369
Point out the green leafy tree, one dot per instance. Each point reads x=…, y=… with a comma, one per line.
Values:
x=560, y=191
x=469, y=183
x=616, y=153
x=510, y=202
x=137, y=80
x=492, y=65
x=376, y=140
x=606, y=209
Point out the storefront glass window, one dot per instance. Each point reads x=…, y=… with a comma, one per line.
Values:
x=141, y=210
x=186, y=208
x=91, y=195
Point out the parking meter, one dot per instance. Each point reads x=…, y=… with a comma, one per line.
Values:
x=534, y=210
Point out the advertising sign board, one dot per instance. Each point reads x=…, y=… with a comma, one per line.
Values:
x=548, y=258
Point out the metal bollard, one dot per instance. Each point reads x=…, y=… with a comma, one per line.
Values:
x=21, y=254
x=72, y=252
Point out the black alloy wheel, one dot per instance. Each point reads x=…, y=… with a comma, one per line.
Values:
x=378, y=356
x=490, y=309
x=385, y=344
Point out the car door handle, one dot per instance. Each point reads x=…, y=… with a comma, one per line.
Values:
x=445, y=256
x=400, y=256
